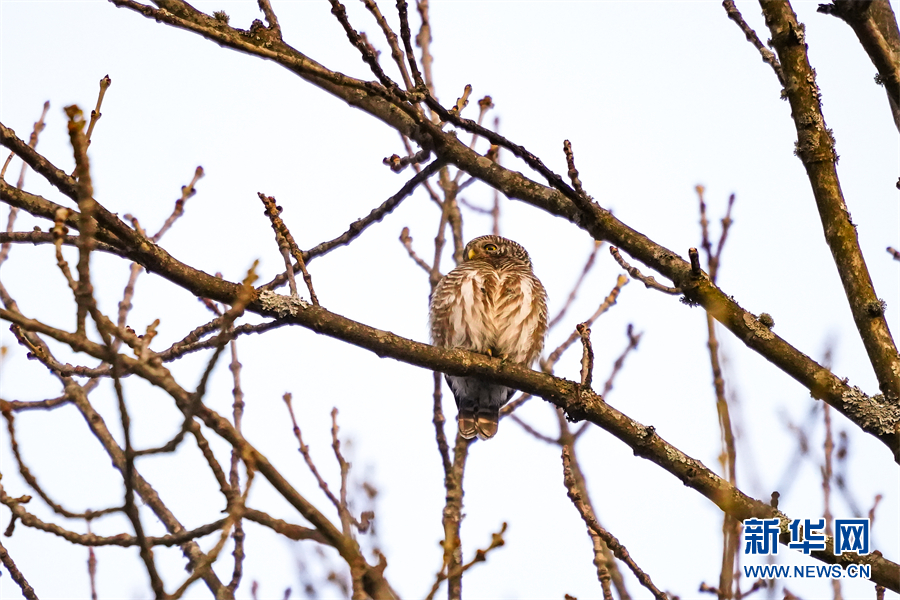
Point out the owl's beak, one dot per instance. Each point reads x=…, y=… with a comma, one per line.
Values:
x=471, y=254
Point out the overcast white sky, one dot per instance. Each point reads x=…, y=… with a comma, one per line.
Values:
x=656, y=97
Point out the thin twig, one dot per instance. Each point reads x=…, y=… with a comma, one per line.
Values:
x=510, y=407
x=37, y=237
x=767, y=55
x=207, y=562
x=451, y=215
x=272, y=212
x=827, y=473
x=727, y=222
x=360, y=225
x=532, y=431
x=304, y=450
x=480, y=556
x=439, y=239
x=368, y=55
x=16, y=574
x=91, y=539
x=288, y=530
x=495, y=213
x=484, y=105
x=423, y=41
x=203, y=445
x=398, y=163
x=357, y=571
x=188, y=417
x=407, y=240
x=391, y=38
x=221, y=341
x=608, y=302
x=461, y=103
x=59, y=232
x=588, y=265
x=131, y=509
x=13, y=211
x=587, y=355
x=149, y=496
x=648, y=281
x=587, y=515
x=345, y=471
x=469, y=205
x=633, y=341
x=190, y=344
x=418, y=168
x=187, y=191
x=234, y=476
x=285, y=250
x=452, y=518
x=713, y=258
x=875, y=503
x=92, y=565
x=49, y=404
x=438, y=420
x=87, y=225
x=6, y=165
x=31, y=480
x=573, y=172
x=604, y=560
x=405, y=34
x=125, y=305
x=728, y=457
x=95, y=114
x=521, y=152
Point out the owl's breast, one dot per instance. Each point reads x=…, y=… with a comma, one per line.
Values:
x=497, y=312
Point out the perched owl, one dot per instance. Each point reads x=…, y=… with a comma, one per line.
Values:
x=493, y=304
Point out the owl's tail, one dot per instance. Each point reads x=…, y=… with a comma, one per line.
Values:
x=467, y=429
x=483, y=424
x=486, y=424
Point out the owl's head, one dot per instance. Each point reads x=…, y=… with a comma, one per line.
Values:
x=493, y=247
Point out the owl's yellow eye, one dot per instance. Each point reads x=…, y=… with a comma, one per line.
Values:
x=490, y=248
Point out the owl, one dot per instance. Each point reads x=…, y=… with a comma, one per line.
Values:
x=491, y=303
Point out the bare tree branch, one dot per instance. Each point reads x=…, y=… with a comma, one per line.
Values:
x=815, y=148
x=875, y=26
x=577, y=404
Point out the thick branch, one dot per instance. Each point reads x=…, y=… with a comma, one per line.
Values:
x=873, y=415
x=867, y=413
x=875, y=25
x=815, y=148
x=579, y=404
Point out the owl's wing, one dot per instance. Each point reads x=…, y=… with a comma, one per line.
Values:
x=439, y=312
x=449, y=327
